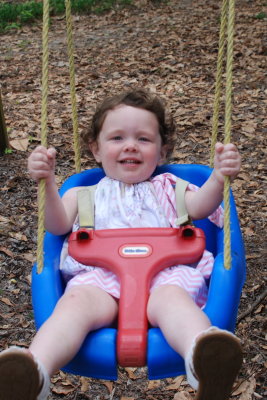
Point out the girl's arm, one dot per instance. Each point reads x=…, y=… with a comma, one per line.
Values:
x=227, y=162
x=60, y=213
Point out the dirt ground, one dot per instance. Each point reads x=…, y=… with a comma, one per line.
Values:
x=168, y=47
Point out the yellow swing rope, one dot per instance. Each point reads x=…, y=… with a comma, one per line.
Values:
x=41, y=197
x=218, y=83
x=41, y=189
x=227, y=18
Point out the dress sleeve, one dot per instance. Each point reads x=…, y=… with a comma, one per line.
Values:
x=164, y=185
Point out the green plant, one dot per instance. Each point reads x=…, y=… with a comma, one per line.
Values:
x=24, y=44
x=13, y=15
x=26, y=16
x=8, y=151
x=261, y=15
x=9, y=27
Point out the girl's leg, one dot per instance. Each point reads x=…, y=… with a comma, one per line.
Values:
x=212, y=356
x=80, y=310
x=172, y=310
x=24, y=374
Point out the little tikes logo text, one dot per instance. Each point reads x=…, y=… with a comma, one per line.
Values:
x=135, y=250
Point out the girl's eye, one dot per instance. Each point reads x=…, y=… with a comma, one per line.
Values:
x=144, y=139
x=116, y=138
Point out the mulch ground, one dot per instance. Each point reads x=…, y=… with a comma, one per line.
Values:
x=168, y=47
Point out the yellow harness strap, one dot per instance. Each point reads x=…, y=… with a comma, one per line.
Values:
x=181, y=210
x=86, y=205
x=86, y=202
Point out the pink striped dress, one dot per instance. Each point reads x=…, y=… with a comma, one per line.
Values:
x=147, y=204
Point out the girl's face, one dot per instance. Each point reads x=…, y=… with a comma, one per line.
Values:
x=129, y=144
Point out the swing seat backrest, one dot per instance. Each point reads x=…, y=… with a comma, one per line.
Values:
x=97, y=357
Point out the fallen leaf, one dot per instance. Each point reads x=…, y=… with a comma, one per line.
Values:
x=176, y=383
x=29, y=257
x=260, y=308
x=182, y=396
x=18, y=236
x=127, y=398
x=6, y=301
x=85, y=384
x=153, y=384
x=65, y=390
x=246, y=389
x=109, y=385
x=19, y=144
x=7, y=315
x=4, y=220
x=7, y=251
x=248, y=231
x=131, y=372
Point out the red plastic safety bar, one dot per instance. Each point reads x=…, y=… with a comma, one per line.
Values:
x=135, y=255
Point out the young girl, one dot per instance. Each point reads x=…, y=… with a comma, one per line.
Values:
x=129, y=137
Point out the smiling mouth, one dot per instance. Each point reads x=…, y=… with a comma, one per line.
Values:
x=130, y=162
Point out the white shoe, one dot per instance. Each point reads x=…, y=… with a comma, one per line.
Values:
x=213, y=364
x=22, y=377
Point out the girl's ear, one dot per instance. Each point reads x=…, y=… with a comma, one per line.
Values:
x=163, y=154
x=95, y=150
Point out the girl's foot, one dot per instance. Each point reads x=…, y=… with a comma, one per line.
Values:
x=21, y=376
x=216, y=360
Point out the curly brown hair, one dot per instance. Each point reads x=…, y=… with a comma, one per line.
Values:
x=136, y=98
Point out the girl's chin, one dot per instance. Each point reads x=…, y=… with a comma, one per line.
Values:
x=129, y=180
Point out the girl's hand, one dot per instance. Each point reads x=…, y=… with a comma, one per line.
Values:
x=227, y=161
x=41, y=163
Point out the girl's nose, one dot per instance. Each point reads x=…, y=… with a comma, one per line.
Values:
x=130, y=145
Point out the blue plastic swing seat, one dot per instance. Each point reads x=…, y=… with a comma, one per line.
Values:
x=97, y=356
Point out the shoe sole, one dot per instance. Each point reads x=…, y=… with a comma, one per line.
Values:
x=217, y=360
x=19, y=377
